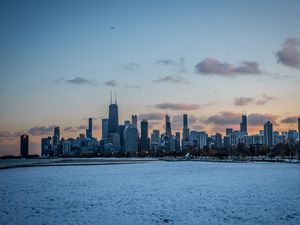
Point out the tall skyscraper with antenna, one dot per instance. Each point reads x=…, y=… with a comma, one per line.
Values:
x=113, y=116
x=243, y=124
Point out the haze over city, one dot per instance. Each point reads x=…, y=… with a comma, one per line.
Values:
x=59, y=61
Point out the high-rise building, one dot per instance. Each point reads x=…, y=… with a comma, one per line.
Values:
x=89, y=132
x=57, y=132
x=185, y=132
x=131, y=139
x=185, y=121
x=127, y=123
x=113, y=117
x=202, y=139
x=268, y=134
x=229, y=131
x=45, y=146
x=104, y=128
x=155, y=139
x=218, y=140
x=121, y=134
x=24, y=145
x=168, y=126
x=243, y=124
x=134, y=120
x=194, y=139
x=144, y=135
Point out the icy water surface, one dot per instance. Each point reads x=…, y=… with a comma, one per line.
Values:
x=152, y=193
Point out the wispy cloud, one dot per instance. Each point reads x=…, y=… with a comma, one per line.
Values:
x=175, y=79
x=210, y=66
x=111, y=83
x=234, y=118
x=71, y=129
x=129, y=86
x=241, y=101
x=291, y=119
x=177, y=65
x=289, y=54
x=41, y=130
x=131, y=66
x=76, y=80
x=260, y=100
x=152, y=116
x=177, y=106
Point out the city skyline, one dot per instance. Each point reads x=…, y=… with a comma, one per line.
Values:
x=128, y=136
x=59, y=62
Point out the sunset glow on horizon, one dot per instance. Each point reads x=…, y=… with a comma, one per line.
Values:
x=59, y=61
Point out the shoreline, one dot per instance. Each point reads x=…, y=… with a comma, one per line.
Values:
x=17, y=163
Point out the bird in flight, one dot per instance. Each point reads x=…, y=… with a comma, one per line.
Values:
x=112, y=28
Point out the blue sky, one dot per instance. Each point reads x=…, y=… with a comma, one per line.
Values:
x=45, y=45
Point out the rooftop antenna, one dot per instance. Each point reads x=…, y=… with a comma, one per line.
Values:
x=115, y=97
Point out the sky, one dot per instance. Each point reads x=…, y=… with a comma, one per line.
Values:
x=59, y=61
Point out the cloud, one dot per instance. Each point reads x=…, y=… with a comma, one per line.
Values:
x=241, y=101
x=128, y=86
x=178, y=65
x=76, y=80
x=289, y=54
x=177, y=106
x=7, y=134
x=151, y=116
x=82, y=127
x=71, y=129
x=79, y=80
x=111, y=83
x=261, y=100
x=233, y=118
x=41, y=130
x=292, y=119
x=210, y=66
x=257, y=119
x=264, y=99
x=224, y=118
x=131, y=67
x=175, y=79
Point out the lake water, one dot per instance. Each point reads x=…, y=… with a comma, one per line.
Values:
x=152, y=193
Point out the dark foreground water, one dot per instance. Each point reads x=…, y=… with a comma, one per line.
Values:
x=152, y=193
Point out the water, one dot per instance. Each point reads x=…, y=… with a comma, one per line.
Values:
x=152, y=193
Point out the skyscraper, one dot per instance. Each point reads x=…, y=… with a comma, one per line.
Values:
x=57, y=132
x=229, y=131
x=268, y=134
x=155, y=140
x=185, y=132
x=144, y=135
x=131, y=139
x=134, y=120
x=121, y=134
x=89, y=133
x=168, y=126
x=185, y=121
x=113, y=117
x=45, y=146
x=104, y=128
x=243, y=124
x=24, y=141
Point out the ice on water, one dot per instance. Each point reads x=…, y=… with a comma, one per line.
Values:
x=152, y=193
